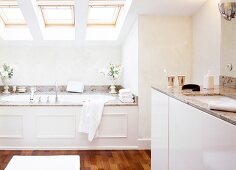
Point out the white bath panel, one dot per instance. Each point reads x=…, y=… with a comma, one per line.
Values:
x=55, y=126
x=114, y=126
x=11, y=126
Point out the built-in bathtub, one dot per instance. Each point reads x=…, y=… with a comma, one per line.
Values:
x=50, y=125
x=66, y=98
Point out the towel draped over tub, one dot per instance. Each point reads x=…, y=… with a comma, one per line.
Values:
x=91, y=116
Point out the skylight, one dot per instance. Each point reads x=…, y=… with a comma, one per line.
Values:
x=57, y=12
x=58, y=15
x=104, y=12
x=62, y=19
x=12, y=15
x=103, y=15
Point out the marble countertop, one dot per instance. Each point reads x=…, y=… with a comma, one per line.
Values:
x=186, y=96
x=115, y=102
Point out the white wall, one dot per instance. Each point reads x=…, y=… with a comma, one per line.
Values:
x=206, y=41
x=164, y=42
x=130, y=60
x=228, y=44
x=43, y=65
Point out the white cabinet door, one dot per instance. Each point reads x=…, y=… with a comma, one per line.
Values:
x=199, y=141
x=159, y=131
x=185, y=136
x=219, y=144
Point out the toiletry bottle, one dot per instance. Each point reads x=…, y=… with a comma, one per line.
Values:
x=208, y=82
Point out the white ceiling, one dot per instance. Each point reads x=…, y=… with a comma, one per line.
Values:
x=138, y=7
x=168, y=7
x=159, y=7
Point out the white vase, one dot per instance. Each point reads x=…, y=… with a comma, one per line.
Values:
x=5, y=82
x=113, y=89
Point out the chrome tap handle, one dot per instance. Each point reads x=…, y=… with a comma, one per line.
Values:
x=32, y=91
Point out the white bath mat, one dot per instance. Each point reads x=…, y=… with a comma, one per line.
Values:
x=44, y=163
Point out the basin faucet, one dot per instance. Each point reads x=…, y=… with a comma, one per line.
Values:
x=56, y=91
x=32, y=91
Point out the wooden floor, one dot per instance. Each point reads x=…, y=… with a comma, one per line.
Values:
x=93, y=160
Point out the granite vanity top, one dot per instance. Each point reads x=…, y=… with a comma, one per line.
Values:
x=115, y=102
x=186, y=96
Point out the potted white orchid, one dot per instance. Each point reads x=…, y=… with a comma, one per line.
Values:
x=6, y=73
x=113, y=72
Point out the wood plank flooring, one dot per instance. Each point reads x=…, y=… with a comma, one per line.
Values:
x=92, y=160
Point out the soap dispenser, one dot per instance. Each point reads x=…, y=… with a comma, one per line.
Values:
x=208, y=82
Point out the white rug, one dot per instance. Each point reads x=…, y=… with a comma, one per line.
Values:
x=44, y=163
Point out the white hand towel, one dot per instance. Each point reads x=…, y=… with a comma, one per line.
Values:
x=91, y=116
x=223, y=106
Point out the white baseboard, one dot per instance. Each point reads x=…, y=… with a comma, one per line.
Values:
x=73, y=148
x=144, y=143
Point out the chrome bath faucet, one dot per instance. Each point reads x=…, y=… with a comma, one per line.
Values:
x=32, y=91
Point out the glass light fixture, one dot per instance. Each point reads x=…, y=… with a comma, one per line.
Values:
x=228, y=10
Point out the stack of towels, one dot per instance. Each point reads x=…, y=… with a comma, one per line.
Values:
x=126, y=96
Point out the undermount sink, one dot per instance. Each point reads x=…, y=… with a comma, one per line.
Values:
x=214, y=98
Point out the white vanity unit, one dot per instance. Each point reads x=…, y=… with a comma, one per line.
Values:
x=43, y=126
x=186, y=138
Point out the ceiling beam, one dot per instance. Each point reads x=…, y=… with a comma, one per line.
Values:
x=2, y=29
x=130, y=16
x=81, y=20
x=33, y=18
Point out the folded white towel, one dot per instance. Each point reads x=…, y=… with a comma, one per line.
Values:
x=91, y=116
x=126, y=95
x=222, y=106
x=124, y=91
x=131, y=100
